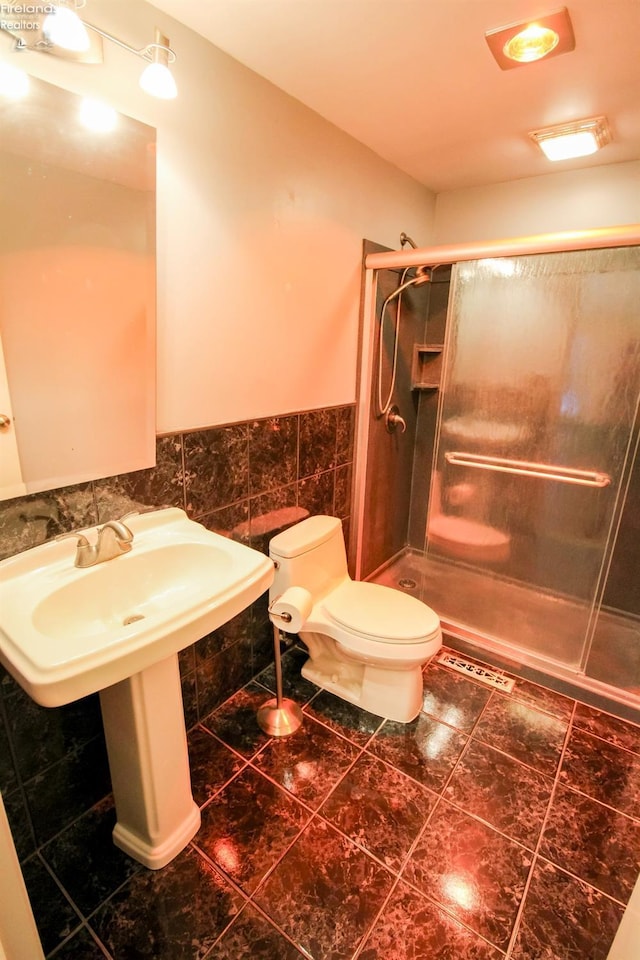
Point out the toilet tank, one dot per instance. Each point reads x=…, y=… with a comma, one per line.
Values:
x=310, y=554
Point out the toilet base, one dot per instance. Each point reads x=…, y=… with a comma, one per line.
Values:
x=392, y=694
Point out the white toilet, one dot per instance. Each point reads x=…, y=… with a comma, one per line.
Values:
x=367, y=643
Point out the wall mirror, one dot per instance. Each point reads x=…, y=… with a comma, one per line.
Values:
x=77, y=291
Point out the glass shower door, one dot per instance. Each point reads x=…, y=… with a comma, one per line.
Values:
x=536, y=414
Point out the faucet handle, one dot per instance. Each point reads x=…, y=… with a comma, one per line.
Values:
x=85, y=553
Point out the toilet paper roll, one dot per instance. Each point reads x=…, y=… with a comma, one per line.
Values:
x=290, y=610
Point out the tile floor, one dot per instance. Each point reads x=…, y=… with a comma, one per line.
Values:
x=495, y=825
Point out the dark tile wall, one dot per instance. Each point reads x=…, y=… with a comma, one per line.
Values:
x=247, y=481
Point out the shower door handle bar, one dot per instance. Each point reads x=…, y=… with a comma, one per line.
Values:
x=529, y=468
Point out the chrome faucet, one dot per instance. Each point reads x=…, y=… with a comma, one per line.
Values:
x=114, y=539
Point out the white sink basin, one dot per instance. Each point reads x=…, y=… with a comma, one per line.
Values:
x=66, y=632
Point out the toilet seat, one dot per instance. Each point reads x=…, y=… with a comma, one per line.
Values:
x=381, y=613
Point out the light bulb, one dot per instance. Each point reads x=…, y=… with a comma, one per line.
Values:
x=157, y=80
x=572, y=145
x=532, y=43
x=64, y=28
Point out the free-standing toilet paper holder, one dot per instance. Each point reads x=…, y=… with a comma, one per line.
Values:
x=279, y=716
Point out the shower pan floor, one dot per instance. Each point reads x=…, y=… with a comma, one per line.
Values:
x=482, y=604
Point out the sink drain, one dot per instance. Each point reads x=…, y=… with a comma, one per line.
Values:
x=132, y=619
x=407, y=583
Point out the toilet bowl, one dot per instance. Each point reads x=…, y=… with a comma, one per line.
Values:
x=367, y=643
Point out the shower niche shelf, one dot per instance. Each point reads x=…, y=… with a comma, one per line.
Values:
x=426, y=368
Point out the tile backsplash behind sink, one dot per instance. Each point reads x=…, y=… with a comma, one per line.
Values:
x=246, y=480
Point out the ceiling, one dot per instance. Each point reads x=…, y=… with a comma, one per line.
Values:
x=414, y=79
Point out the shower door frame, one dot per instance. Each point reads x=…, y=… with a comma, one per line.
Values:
x=600, y=238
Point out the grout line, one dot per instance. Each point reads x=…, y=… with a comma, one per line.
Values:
x=518, y=919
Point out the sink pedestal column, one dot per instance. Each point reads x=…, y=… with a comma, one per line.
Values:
x=147, y=746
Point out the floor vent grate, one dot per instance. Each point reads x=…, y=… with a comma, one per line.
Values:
x=493, y=678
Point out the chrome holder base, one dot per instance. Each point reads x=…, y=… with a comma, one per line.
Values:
x=279, y=717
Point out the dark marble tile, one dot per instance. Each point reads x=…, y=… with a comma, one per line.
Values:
x=325, y=893
x=413, y=928
x=318, y=440
x=42, y=736
x=542, y=699
x=602, y=771
x=252, y=936
x=20, y=823
x=261, y=635
x=81, y=946
x=380, y=808
x=273, y=453
x=187, y=660
x=342, y=493
x=618, y=732
x=345, y=718
x=216, y=468
x=26, y=522
x=231, y=521
x=220, y=676
x=85, y=859
x=55, y=917
x=505, y=793
x=248, y=827
x=67, y=789
x=8, y=775
x=309, y=762
x=159, y=486
x=476, y=873
x=271, y=513
x=176, y=913
x=189, y=699
x=424, y=749
x=527, y=734
x=238, y=628
x=294, y=684
x=345, y=432
x=594, y=842
x=452, y=698
x=564, y=919
x=212, y=764
x=316, y=493
x=235, y=721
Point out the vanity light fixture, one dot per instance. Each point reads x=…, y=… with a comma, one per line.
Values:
x=156, y=78
x=63, y=27
x=56, y=28
x=569, y=140
x=527, y=41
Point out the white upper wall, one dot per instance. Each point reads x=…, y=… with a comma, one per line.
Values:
x=262, y=207
x=605, y=196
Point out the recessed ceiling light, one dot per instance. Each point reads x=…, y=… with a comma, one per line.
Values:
x=531, y=40
x=570, y=140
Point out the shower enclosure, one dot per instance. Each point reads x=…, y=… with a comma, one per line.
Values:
x=511, y=502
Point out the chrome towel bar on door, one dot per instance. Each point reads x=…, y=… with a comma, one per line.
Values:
x=529, y=468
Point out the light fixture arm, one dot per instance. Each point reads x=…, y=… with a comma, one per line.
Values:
x=146, y=53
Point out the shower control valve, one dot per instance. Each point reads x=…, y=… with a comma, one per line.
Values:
x=393, y=420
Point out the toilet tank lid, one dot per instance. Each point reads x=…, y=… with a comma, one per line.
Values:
x=303, y=536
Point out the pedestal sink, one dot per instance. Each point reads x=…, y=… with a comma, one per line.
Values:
x=116, y=628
